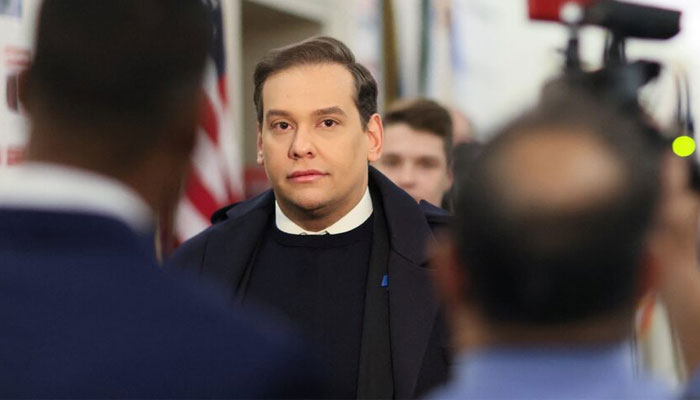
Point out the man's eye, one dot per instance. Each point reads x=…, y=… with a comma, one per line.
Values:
x=281, y=125
x=329, y=123
x=428, y=163
x=391, y=161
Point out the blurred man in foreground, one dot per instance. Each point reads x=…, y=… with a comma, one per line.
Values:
x=551, y=252
x=418, y=149
x=113, y=98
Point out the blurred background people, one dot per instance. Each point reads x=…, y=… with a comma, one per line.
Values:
x=462, y=127
x=113, y=95
x=550, y=256
x=417, y=151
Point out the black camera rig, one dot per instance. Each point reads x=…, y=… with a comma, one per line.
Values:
x=618, y=82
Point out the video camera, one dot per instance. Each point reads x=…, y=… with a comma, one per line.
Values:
x=618, y=81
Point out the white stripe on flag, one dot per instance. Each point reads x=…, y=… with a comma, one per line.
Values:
x=206, y=160
x=188, y=221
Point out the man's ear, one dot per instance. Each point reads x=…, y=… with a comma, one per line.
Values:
x=22, y=89
x=375, y=137
x=259, y=158
x=449, y=181
x=449, y=277
x=649, y=274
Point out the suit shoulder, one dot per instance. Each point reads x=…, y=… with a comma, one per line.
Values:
x=228, y=223
x=437, y=217
x=263, y=200
x=190, y=254
x=220, y=215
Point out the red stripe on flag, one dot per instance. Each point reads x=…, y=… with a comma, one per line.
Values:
x=200, y=197
x=222, y=90
x=210, y=121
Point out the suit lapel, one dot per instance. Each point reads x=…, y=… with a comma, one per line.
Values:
x=413, y=313
x=412, y=304
x=230, y=251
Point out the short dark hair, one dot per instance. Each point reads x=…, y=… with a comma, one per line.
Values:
x=544, y=266
x=318, y=50
x=423, y=115
x=126, y=63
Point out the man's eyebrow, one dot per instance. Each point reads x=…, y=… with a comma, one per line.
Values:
x=330, y=110
x=276, y=113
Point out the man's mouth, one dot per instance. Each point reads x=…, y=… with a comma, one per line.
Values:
x=309, y=175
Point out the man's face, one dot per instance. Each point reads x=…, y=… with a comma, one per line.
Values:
x=416, y=161
x=311, y=141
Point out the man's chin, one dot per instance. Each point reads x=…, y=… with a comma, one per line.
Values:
x=307, y=204
x=311, y=206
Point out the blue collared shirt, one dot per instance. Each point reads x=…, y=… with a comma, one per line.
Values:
x=605, y=372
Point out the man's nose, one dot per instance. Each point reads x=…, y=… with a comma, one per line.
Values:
x=406, y=176
x=302, y=143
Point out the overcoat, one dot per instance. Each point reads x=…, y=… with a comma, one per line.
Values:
x=419, y=343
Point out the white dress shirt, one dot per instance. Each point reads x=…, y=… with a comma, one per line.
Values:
x=45, y=186
x=354, y=218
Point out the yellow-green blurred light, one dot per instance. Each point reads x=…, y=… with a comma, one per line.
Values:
x=683, y=146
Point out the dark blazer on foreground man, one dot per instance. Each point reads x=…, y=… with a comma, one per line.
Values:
x=419, y=354
x=86, y=312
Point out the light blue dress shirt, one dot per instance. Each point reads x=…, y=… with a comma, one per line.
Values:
x=605, y=372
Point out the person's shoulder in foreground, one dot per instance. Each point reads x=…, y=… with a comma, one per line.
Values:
x=90, y=314
x=604, y=372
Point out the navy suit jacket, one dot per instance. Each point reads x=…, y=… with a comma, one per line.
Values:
x=86, y=312
x=419, y=340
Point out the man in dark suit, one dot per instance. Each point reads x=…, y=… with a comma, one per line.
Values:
x=113, y=98
x=334, y=246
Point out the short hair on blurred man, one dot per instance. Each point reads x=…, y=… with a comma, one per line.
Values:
x=417, y=152
x=554, y=246
x=143, y=81
x=113, y=97
x=549, y=251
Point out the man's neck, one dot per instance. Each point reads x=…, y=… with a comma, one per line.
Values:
x=91, y=156
x=473, y=332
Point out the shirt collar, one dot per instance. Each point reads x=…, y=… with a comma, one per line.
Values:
x=350, y=221
x=542, y=372
x=34, y=185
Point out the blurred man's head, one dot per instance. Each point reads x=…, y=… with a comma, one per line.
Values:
x=418, y=148
x=317, y=129
x=114, y=87
x=551, y=227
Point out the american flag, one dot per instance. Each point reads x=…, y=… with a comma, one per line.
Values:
x=215, y=178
